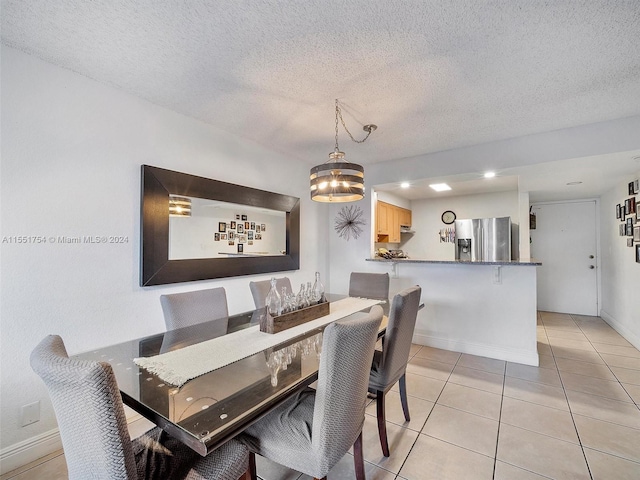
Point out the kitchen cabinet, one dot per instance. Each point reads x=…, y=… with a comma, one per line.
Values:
x=383, y=211
x=405, y=217
x=388, y=220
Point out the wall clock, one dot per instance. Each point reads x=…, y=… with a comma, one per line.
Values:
x=448, y=217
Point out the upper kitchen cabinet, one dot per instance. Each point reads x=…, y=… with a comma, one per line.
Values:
x=405, y=217
x=389, y=218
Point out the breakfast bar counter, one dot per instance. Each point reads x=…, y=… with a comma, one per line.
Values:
x=481, y=308
x=513, y=263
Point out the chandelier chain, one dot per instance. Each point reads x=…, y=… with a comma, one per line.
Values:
x=339, y=114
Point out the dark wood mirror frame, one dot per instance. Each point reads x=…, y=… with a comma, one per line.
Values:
x=155, y=266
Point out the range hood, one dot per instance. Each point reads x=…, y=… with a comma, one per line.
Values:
x=406, y=229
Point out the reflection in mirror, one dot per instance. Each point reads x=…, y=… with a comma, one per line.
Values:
x=217, y=229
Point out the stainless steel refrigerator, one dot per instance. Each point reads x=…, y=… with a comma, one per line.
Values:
x=483, y=239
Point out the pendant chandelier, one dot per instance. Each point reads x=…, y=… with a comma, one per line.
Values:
x=339, y=180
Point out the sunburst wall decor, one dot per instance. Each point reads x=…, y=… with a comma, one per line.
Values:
x=349, y=222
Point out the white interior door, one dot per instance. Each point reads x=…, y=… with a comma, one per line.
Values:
x=565, y=242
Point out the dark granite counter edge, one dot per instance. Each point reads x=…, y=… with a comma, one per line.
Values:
x=512, y=263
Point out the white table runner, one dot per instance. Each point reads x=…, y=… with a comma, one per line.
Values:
x=180, y=366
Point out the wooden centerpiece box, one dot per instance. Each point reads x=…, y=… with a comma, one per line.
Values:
x=282, y=322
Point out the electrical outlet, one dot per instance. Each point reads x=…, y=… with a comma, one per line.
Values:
x=30, y=413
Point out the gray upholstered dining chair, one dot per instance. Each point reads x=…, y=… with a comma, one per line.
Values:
x=259, y=290
x=369, y=285
x=313, y=430
x=93, y=427
x=390, y=364
x=190, y=308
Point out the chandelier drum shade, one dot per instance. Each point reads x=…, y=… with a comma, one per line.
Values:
x=339, y=180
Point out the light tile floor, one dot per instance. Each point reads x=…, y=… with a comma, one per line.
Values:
x=576, y=416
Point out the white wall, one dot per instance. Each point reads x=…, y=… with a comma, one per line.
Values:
x=427, y=222
x=71, y=155
x=393, y=200
x=619, y=274
x=524, y=241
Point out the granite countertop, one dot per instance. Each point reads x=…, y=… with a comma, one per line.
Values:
x=515, y=263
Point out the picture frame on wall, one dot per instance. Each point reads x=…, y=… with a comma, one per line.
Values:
x=636, y=186
x=222, y=227
x=240, y=228
x=240, y=248
x=636, y=233
x=232, y=225
x=629, y=230
x=632, y=205
x=632, y=190
x=216, y=237
x=622, y=231
x=618, y=211
x=629, y=242
x=244, y=218
x=637, y=252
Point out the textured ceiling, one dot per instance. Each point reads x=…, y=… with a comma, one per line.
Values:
x=432, y=75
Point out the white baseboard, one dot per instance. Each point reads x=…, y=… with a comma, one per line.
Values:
x=629, y=336
x=27, y=451
x=31, y=449
x=490, y=351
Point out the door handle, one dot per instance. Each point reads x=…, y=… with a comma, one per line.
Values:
x=591, y=267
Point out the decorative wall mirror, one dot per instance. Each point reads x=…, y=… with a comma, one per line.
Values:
x=196, y=228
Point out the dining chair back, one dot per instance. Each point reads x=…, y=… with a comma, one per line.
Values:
x=390, y=364
x=369, y=285
x=312, y=431
x=259, y=290
x=190, y=308
x=93, y=427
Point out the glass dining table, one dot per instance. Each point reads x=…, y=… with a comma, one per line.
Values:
x=207, y=411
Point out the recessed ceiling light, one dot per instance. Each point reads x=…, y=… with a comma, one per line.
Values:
x=574, y=183
x=489, y=174
x=440, y=187
x=405, y=185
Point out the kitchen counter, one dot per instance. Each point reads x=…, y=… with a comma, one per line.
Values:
x=522, y=263
x=480, y=308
